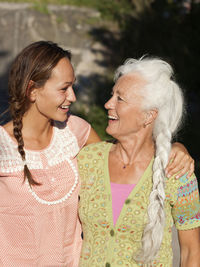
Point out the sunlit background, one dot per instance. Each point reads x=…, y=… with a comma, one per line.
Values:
x=101, y=34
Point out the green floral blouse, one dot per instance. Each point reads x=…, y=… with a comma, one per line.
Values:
x=108, y=245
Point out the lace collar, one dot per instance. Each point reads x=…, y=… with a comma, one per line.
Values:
x=63, y=145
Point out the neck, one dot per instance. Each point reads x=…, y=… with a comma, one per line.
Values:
x=130, y=150
x=35, y=126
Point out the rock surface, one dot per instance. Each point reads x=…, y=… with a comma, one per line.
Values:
x=68, y=26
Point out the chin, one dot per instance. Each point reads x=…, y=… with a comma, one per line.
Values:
x=109, y=131
x=60, y=118
x=114, y=134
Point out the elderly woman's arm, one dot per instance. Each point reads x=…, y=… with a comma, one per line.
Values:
x=180, y=161
x=184, y=198
x=190, y=247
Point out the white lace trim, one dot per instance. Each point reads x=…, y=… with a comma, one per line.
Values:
x=63, y=145
x=65, y=197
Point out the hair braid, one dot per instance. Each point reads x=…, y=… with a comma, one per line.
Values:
x=153, y=232
x=17, y=131
x=17, y=127
x=18, y=106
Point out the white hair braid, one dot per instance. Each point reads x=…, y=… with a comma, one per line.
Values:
x=162, y=93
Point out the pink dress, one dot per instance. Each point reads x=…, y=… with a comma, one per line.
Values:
x=35, y=228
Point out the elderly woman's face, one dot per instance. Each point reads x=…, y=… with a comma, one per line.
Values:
x=125, y=112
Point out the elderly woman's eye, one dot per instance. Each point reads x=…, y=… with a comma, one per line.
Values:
x=119, y=98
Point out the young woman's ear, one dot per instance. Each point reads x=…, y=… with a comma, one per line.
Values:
x=31, y=91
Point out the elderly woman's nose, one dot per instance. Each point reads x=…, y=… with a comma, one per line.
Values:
x=109, y=104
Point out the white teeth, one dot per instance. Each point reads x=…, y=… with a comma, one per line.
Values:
x=112, y=117
x=64, y=106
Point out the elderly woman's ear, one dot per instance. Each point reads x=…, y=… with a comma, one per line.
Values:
x=151, y=115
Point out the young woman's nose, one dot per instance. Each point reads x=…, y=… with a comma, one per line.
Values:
x=71, y=95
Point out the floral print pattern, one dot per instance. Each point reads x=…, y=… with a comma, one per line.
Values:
x=108, y=245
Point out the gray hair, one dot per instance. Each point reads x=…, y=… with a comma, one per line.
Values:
x=162, y=93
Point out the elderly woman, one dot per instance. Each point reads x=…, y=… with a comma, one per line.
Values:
x=127, y=205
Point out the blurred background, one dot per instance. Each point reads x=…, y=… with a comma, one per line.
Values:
x=101, y=34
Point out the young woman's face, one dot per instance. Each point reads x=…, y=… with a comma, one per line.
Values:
x=55, y=97
x=125, y=113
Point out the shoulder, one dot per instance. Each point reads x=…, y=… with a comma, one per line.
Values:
x=75, y=122
x=8, y=127
x=72, y=132
x=187, y=188
x=10, y=160
x=96, y=149
x=184, y=199
x=2, y=141
x=80, y=128
x=182, y=186
x=6, y=135
x=92, y=161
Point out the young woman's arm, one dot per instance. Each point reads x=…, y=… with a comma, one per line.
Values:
x=190, y=247
x=180, y=161
x=93, y=137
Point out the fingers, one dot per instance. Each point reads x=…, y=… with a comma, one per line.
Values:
x=171, y=161
x=191, y=171
x=183, y=171
x=180, y=163
x=174, y=164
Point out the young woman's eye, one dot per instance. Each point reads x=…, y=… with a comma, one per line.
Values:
x=64, y=89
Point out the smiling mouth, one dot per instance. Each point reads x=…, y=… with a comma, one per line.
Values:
x=112, y=118
x=64, y=107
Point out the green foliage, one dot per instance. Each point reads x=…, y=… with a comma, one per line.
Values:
x=114, y=9
x=97, y=117
x=59, y=19
x=88, y=3
x=109, y=9
x=41, y=6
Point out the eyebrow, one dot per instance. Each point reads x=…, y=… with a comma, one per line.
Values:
x=118, y=92
x=68, y=83
x=124, y=97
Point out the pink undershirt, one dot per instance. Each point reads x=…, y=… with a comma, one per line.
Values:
x=120, y=193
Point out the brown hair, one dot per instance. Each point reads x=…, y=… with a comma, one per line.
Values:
x=34, y=63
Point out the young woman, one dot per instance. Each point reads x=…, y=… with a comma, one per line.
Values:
x=39, y=182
